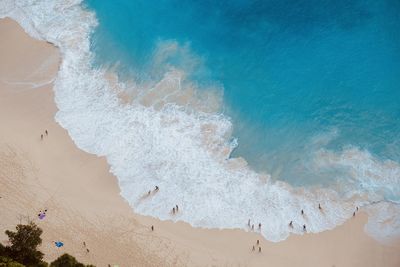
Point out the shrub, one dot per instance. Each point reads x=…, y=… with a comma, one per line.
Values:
x=2, y=250
x=24, y=243
x=67, y=260
x=7, y=262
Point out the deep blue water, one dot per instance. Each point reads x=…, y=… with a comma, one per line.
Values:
x=291, y=69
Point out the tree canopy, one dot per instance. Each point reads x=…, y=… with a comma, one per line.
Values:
x=67, y=260
x=24, y=243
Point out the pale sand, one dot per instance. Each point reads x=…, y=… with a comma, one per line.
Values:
x=83, y=199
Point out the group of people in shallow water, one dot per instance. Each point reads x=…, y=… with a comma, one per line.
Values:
x=155, y=190
x=252, y=225
x=174, y=209
x=290, y=225
x=249, y=224
x=291, y=222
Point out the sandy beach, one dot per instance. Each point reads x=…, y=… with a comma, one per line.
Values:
x=83, y=201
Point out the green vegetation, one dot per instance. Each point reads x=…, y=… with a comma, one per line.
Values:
x=67, y=260
x=7, y=262
x=24, y=243
x=23, y=250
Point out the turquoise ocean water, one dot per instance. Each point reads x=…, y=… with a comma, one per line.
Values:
x=290, y=71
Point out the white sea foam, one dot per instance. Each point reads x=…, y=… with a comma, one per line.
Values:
x=184, y=152
x=366, y=173
x=384, y=221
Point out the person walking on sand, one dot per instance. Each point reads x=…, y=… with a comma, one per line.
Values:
x=302, y=212
x=291, y=224
x=173, y=210
x=177, y=208
x=259, y=250
x=46, y=132
x=152, y=228
x=354, y=214
x=258, y=242
x=304, y=228
x=41, y=137
x=259, y=226
x=253, y=248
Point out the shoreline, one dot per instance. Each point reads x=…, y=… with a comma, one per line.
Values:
x=185, y=153
x=81, y=194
